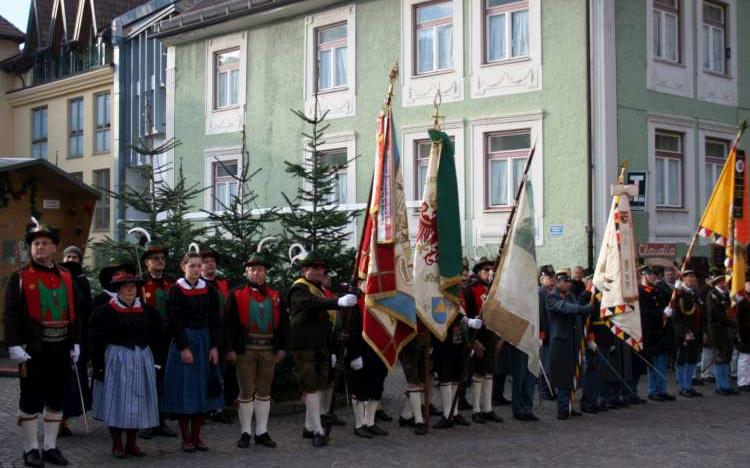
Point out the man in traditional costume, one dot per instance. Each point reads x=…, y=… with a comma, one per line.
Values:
x=155, y=294
x=686, y=311
x=255, y=333
x=657, y=333
x=485, y=345
x=722, y=330
x=42, y=337
x=310, y=339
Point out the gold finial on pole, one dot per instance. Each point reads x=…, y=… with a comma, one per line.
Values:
x=623, y=170
x=436, y=117
x=392, y=76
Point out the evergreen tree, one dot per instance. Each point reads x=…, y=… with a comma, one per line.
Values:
x=314, y=218
x=241, y=224
x=162, y=209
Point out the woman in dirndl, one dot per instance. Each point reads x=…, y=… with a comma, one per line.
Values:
x=121, y=332
x=192, y=384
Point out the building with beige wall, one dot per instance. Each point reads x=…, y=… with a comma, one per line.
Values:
x=59, y=102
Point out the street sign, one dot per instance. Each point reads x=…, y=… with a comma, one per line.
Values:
x=556, y=230
x=638, y=203
x=657, y=250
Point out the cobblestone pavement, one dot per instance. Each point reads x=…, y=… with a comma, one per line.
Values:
x=712, y=432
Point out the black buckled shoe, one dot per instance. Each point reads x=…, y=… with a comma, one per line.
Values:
x=33, y=458
x=405, y=422
x=459, y=420
x=381, y=415
x=443, y=423
x=307, y=434
x=244, y=441
x=491, y=416
x=363, y=432
x=668, y=397
x=55, y=457
x=377, y=430
x=477, y=418
x=420, y=429
x=265, y=440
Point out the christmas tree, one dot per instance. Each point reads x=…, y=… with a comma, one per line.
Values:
x=161, y=209
x=239, y=225
x=314, y=217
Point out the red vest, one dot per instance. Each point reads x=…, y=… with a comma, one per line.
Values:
x=222, y=285
x=244, y=295
x=121, y=309
x=150, y=290
x=479, y=292
x=32, y=278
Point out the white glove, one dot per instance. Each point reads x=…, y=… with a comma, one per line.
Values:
x=668, y=311
x=18, y=354
x=357, y=364
x=679, y=285
x=592, y=345
x=473, y=323
x=348, y=300
x=333, y=360
x=75, y=353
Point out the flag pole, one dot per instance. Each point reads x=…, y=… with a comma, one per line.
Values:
x=691, y=247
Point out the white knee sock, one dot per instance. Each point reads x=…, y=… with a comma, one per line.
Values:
x=359, y=413
x=372, y=407
x=446, y=395
x=476, y=393
x=262, y=410
x=29, y=424
x=487, y=394
x=51, y=428
x=407, y=412
x=246, y=415
x=326, y=396
x=415, y=401
x=312, y=405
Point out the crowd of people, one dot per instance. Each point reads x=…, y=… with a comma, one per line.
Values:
x=150, y=348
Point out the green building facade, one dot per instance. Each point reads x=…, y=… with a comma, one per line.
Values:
x=578, y=78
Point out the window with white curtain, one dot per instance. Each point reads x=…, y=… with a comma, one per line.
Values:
x=716, y=153
x=422, y=149
x=331, y=43
x=666, y=33
x=75, y=128
x=100, y=180
x=506, y=29
x=103, y=117
x=669, y=167
x=39, y=132
x=337, y=158
x=714, y=37
x=433, y=37
x=506, y=155
x=227, y=78
x=225, y=183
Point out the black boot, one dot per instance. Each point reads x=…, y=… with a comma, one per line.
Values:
x=55, y=457
x=33, y=458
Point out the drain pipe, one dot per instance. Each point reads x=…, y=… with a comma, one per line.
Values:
x=589, y=147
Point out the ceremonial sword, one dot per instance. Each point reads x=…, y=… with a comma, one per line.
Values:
x=80, y=394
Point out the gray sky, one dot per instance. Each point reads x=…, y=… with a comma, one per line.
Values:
x=15, y=11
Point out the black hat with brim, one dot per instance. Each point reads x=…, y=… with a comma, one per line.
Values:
x=122, y=277
x=210, y=253
x=481, y=264
x=106, y=273
x=153, y=250
x=43, y=231
x=563, y=275
x=312, y=259
x=258, y=259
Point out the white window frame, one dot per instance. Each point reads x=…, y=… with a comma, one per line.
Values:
x=432, y=26
x=419, y=90
x=43, y=140
x=507, y=10
x=511, y=156
x=215, y=165
x=341, y=101
x=332, y=46
x=660, y=12
x=76, y=132
x=488, y=223
x=410, y=135
x=228, y=119
x=211, y=156
x=105, y=128
x=342, y=173
x=676, y=78
x=513, y=75
x=104, y=202
x=712, y=26
x=218, y=71
x=664, y=181
x=711, y=131
x=712, y=86
x=673, y=224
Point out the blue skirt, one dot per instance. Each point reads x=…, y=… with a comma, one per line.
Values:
x=127, y=397
x=186, y=386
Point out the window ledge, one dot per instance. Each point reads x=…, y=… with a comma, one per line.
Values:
x=668, y=209
x=500, y=63
x=225, y=109
x=718, y=75
x=329, y=91
x=447, y=71
x=669, y=63
x=501, y=209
